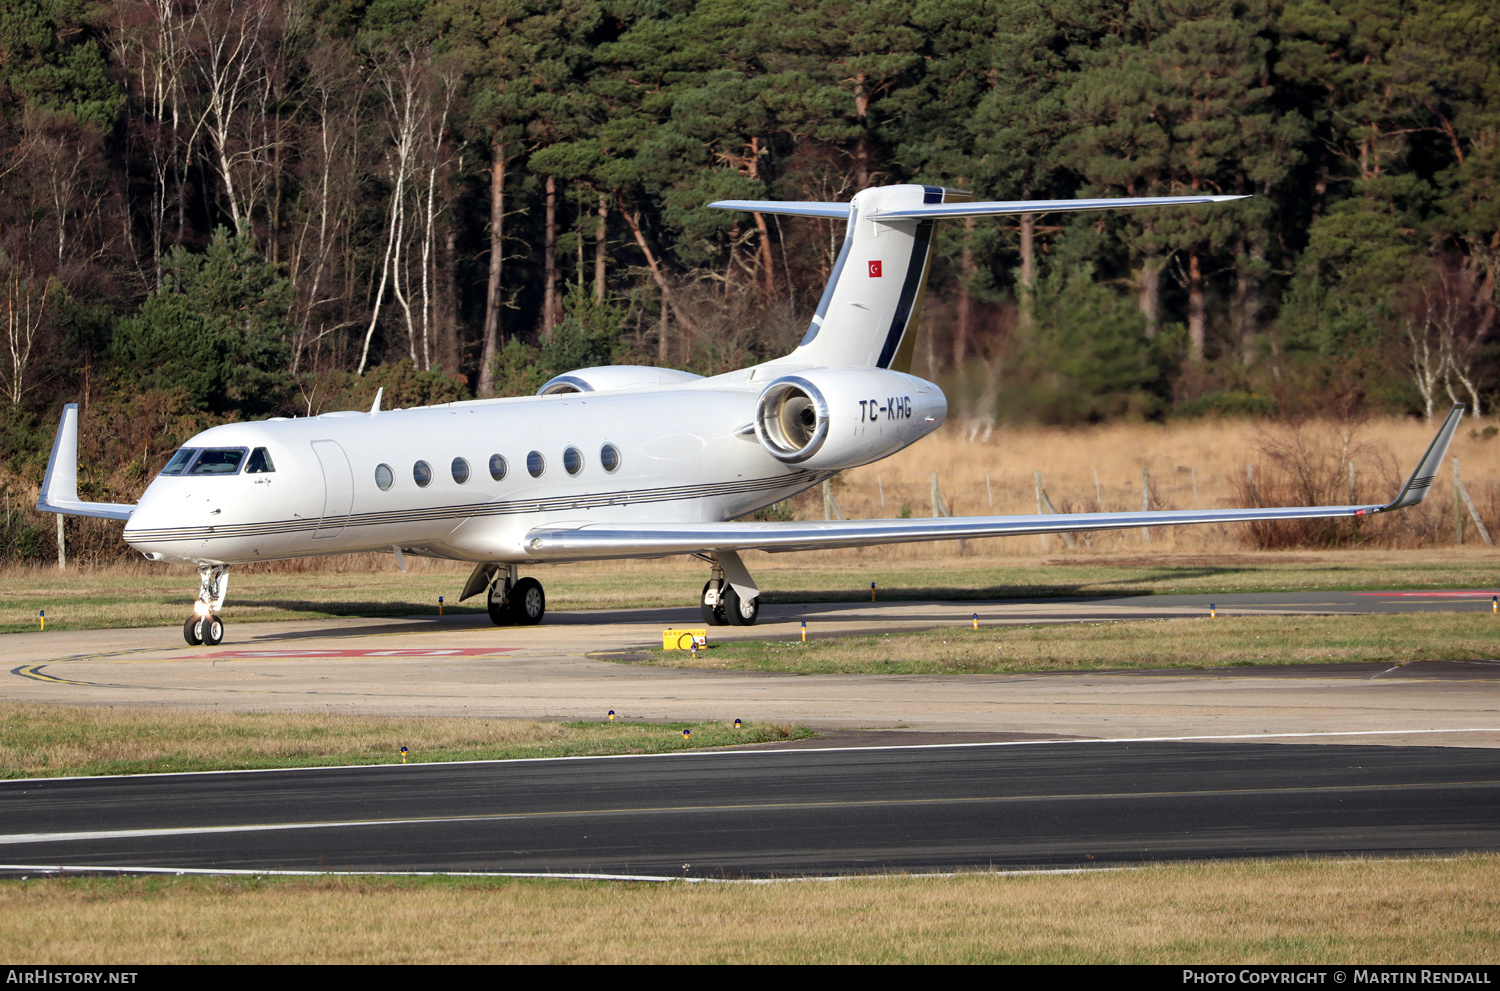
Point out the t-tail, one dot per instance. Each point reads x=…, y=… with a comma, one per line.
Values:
x=871, y=308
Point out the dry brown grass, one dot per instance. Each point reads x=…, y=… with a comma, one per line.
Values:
x=1369, y=912
x=1211, y=452
x=46, y=740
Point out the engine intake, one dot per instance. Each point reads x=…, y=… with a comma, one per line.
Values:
x=841, y=417
x=791, y=419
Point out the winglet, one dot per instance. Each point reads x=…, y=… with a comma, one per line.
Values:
x=1415, y=489
x=60, y=484
x=375, y=408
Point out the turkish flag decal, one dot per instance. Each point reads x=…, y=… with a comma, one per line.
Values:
x=875, y=270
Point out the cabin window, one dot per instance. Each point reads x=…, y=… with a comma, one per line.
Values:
x=536, y=464
x=421, y=472
x=218, y=461
x=384, y=477
x=609, y=457
x=498, y=467
x=260, y=462
x=573, y=460
x=460, y=470
x=180, y=460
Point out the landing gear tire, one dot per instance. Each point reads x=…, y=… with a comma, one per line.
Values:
x=713, y=615
x=527, y=602
x=206, y=630
x=499, y=603
x=739, y=612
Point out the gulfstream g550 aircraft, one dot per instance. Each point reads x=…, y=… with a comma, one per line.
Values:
x=614, y=462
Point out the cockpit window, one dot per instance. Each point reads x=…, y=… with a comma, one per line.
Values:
x=218, y=461
x=180, y=460
x=260, y=461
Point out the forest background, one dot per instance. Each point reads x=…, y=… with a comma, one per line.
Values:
x=229, y=209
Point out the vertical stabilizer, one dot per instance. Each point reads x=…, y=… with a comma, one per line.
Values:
x=872, y=305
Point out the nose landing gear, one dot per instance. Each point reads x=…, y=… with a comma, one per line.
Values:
x=204, y=626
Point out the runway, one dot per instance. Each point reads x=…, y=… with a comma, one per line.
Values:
x=749, y=814
x=461, y=665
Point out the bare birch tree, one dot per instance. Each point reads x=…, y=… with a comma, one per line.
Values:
x=24, y=310
x=328, y=195
x=150, y=41
x=1447, y=323
x=232, y=39
x=418, y=104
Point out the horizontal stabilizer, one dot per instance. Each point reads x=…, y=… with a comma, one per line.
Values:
x=939, y=211
x=992, y=208
x=640, y=540
x=836, y=211
x=60, y=485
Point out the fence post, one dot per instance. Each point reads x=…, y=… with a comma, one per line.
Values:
x=62, y=551
x=1463, y=493
x=1041, y=537
x=880, y=485
x=940, y=508
x=1458, y=509
x=1145, y=501
x=830, y=505
x=1044, y=505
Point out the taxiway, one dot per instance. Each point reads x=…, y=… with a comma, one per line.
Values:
x=461, y=665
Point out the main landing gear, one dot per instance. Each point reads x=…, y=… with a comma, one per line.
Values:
x=204, y=626
x=516, y=601
x=721, y=603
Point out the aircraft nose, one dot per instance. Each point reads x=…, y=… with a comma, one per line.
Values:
x=149, y=526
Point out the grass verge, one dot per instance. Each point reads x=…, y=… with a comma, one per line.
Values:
x=1175, y=643
x=139, y=595
x=54, y=740
x=1373, y=912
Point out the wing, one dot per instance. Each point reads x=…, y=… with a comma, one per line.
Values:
x=646, y=539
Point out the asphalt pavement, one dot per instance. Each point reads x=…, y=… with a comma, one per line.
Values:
x=774, y=813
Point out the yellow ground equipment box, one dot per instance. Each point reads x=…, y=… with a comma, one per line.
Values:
x=683, y=639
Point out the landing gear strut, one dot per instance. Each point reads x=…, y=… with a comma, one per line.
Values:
x=204, y=626
x=722, y=602
x=515, y=601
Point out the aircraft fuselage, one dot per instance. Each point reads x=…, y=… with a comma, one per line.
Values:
x=680, y=454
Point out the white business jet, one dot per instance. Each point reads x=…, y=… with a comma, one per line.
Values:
x=615, y=462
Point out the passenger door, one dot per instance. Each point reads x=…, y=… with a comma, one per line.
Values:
x=338, y=489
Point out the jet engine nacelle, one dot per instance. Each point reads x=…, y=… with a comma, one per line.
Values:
x=613, y=378
x=842, y=417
